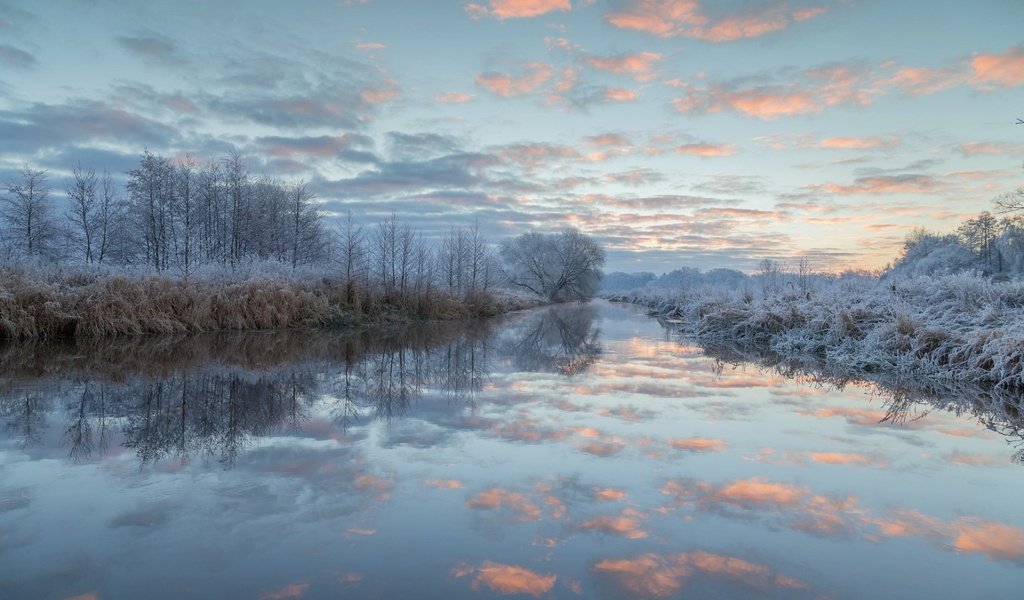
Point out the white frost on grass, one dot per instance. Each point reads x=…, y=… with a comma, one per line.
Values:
x=958, y=327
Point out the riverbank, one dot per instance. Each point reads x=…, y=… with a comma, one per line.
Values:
x=82, y=303
x=949, y=328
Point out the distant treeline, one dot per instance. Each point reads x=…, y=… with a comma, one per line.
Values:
x=986, y=245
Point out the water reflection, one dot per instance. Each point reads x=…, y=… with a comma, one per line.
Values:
x=905, y=398
x=215, y=395
x=572, y=452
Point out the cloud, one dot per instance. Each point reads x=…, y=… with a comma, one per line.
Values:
x=857, y=143
x=526, y=79
x=654, y=575
x=349, y=146
x=639, y=66
x=769, y=96
x=15, y=58
x=516, y=9
x=40, y=126
x=760, y=101
x=884, y=184
x=978, y=148
x=152, y=47
x=924, y=81
x=990, y=71
x=308, y=89
x=295, y=590
x=457, y=171
x=497, y=498
x=635, y=177
x=626, y=525
x=444, y=484
x=608, y=494
x=453, y=98
x=619, y=95
x=686, y=18
x=507, y=579
x=698, y=444
x=705, y=150
x=535, y=155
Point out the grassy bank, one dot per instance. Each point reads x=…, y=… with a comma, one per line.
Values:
x=36, y=303
x=951, y=328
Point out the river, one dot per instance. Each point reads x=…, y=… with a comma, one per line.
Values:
x=570, y=452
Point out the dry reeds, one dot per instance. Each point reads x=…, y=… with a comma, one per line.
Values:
x=35, y=304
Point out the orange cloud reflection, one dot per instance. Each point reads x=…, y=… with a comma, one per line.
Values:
x=507, y=579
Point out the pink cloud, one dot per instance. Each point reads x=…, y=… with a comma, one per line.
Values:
x=619, y=95
x=295, y=590
x=517, y=9
x=857, y=143
x=627, y=526
x=609, y=494
x=654, y=575
x=975, y=148
x=686, y=18
x=761, y=102
x=884, y=184
x=444, y=484
x=532, y=76
x=706, y=150
x=640, y=65
x=697, y=444
x=381, y=93
x=497, y=498
x=995, y=540
x=454, y=98
x=610, y=139
x=922, y=81
x=999, y=70
x=840, y=458
x=507, y=579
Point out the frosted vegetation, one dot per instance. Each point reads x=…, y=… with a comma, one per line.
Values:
x=949, y=310
x=185, y=246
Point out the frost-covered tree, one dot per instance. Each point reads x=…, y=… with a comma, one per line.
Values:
x=28, y=214
x=979, y=234
x=562, y=267
x=926, y=253
x=82, y=212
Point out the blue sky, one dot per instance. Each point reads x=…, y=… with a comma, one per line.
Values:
x=679, y=132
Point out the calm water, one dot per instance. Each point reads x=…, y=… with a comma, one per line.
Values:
x=578, y=452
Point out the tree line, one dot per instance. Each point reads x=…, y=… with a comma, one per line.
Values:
x=176, y=216
x=988, y=244
x=171, y=216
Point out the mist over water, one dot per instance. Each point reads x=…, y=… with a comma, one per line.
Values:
x=571, y=451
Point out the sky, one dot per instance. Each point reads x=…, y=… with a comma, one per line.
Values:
x=678, y=133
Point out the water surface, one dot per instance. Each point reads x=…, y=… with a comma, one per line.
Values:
x=580, y=451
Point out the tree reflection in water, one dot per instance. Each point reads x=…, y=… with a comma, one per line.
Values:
x=561, y=339
x=215, y=395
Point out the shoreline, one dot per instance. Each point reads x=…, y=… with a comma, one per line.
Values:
x=40, y=305
x=939, y=330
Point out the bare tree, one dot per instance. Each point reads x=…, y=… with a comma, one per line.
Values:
x=1011, y=201
x=561, y=267
x=110, y=229
x=770, y=274
x=804, y=273
x=186, y=208
x=27, y=213
x=82, y=210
